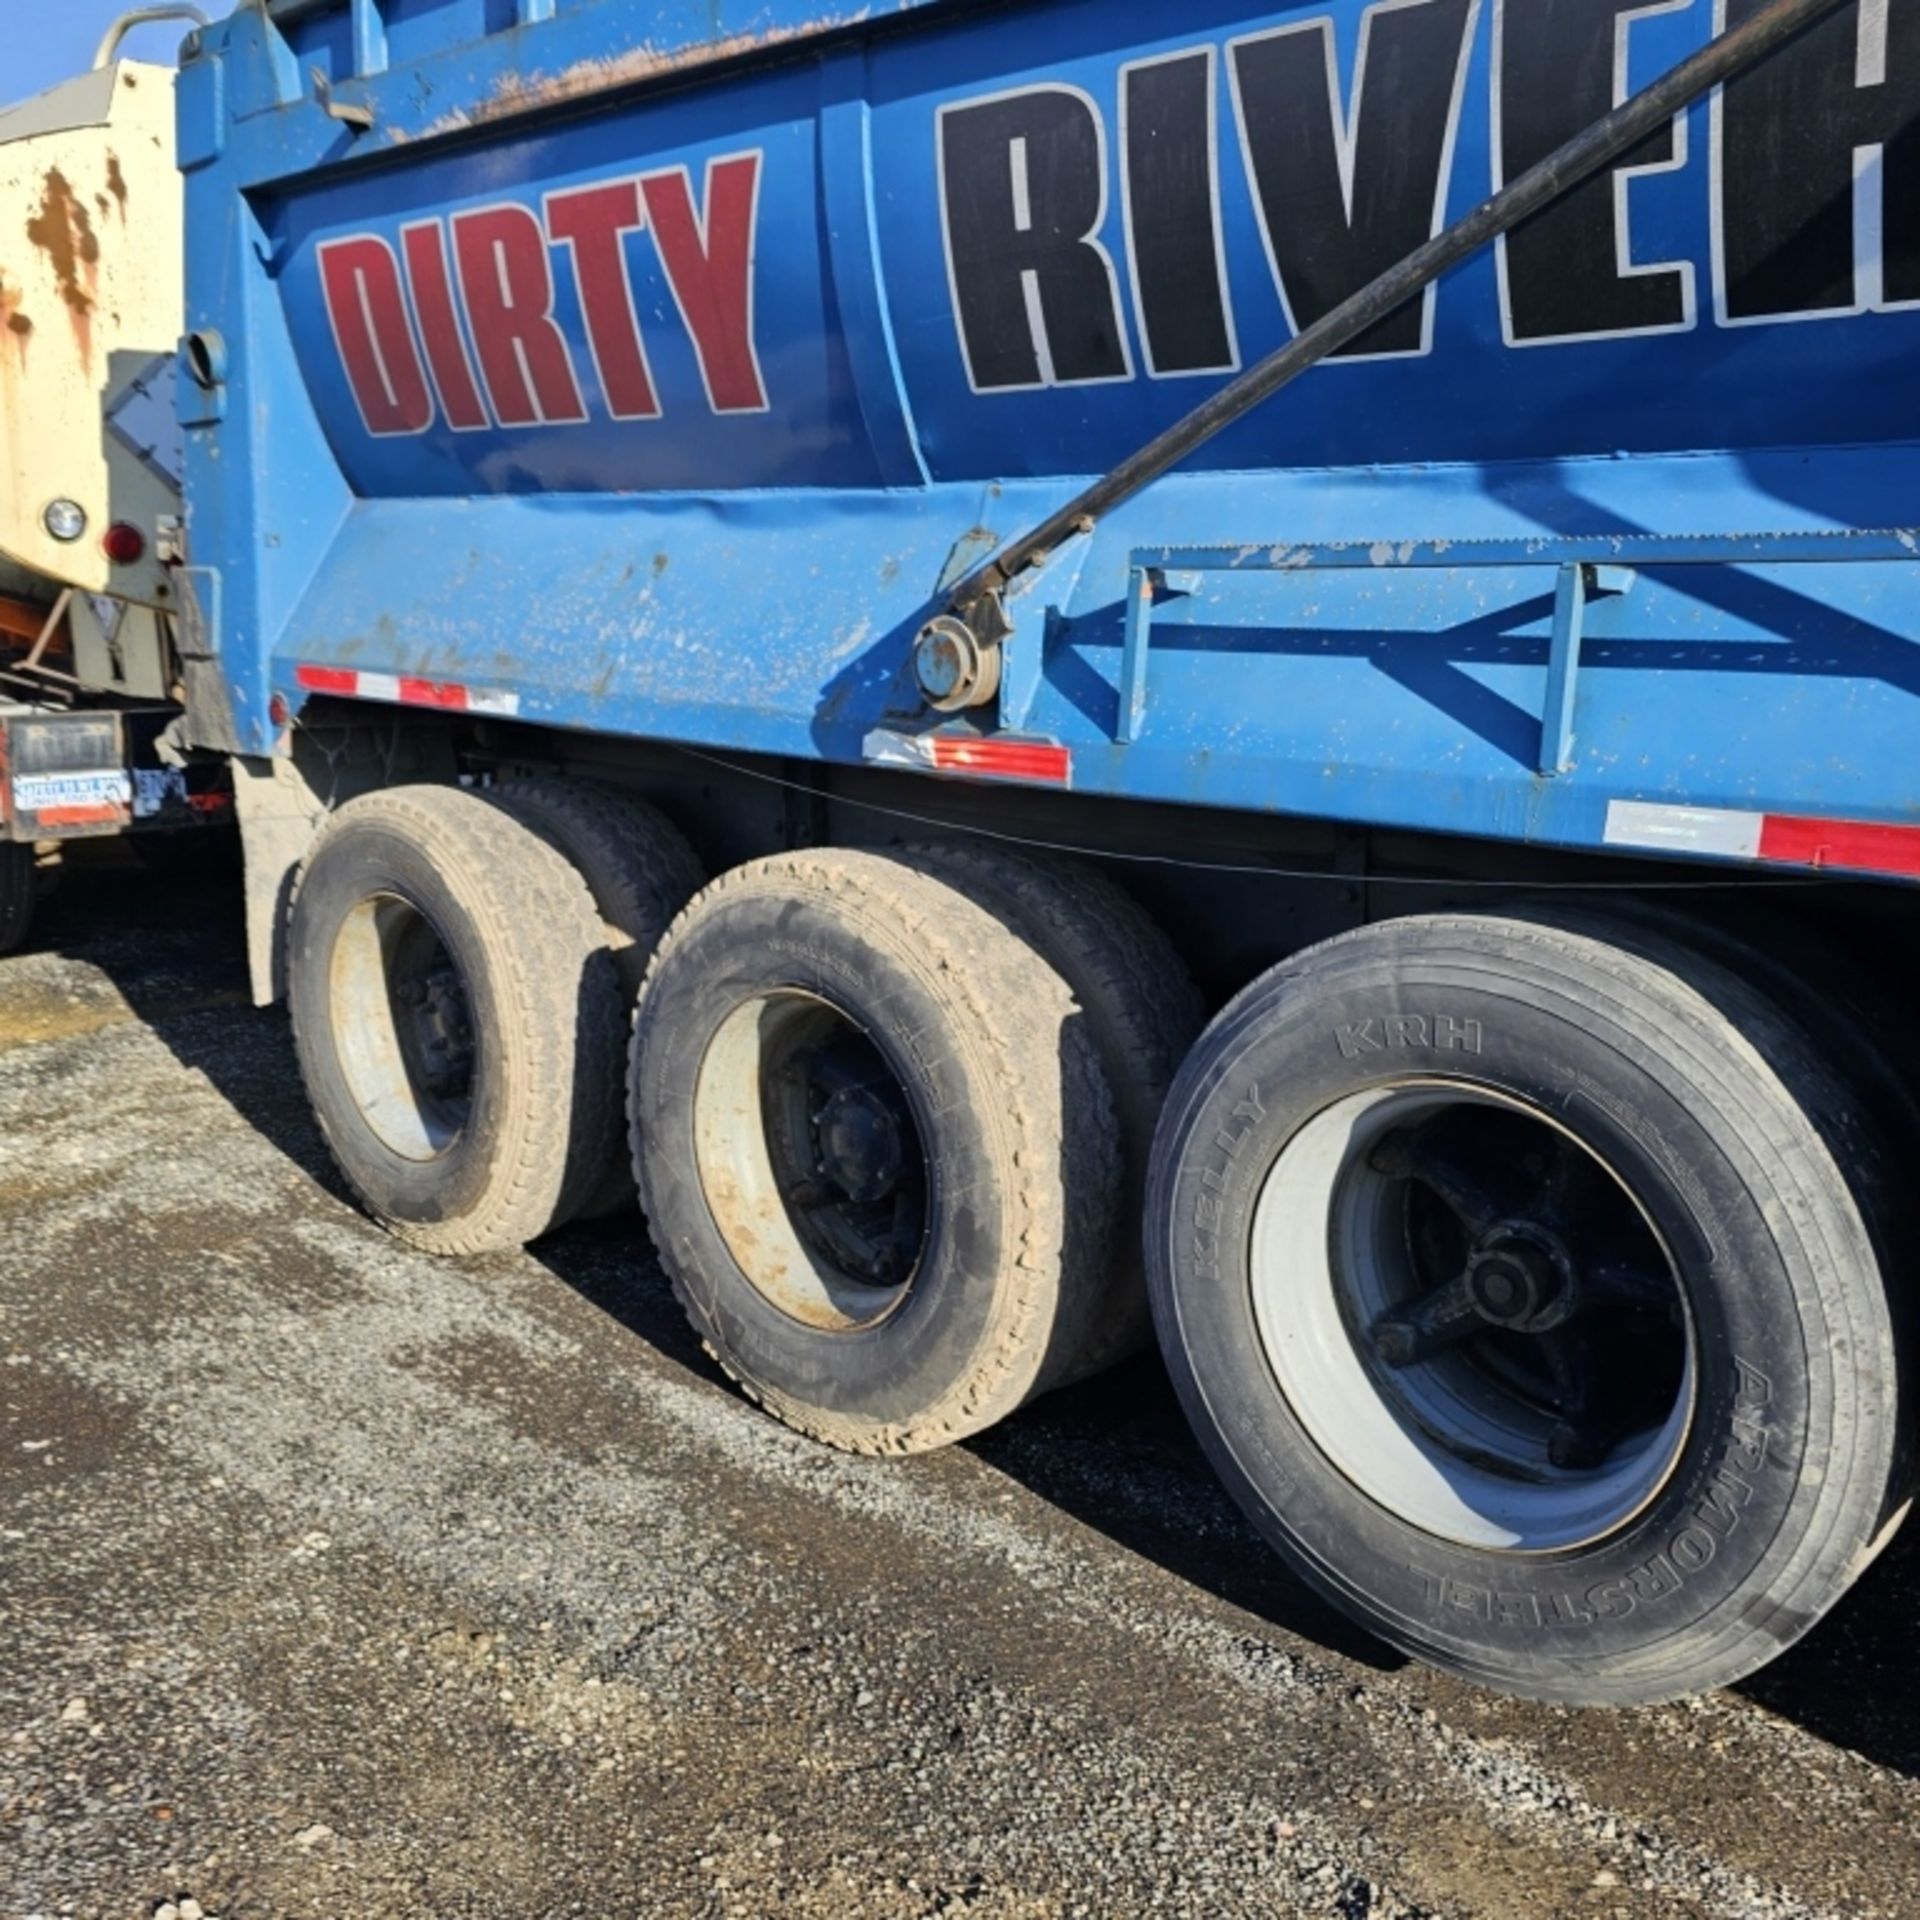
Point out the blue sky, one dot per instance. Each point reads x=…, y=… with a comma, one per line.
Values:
x=42, y=41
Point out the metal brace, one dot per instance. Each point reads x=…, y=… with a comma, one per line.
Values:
x=1574, y=587
x=1144, y=586
x=356, y=117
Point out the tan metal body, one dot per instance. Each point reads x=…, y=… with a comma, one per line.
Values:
x=90, y=314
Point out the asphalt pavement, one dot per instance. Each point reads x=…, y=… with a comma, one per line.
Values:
x=340, y=1581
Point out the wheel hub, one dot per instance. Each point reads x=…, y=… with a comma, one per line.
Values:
x=443, y=1028
x=1521, y=1278
x=1472, y=1317
x=861, y=1151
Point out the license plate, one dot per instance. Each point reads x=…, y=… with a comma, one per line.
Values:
x=47, y=792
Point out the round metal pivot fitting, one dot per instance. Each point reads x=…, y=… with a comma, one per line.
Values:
x=954, y=669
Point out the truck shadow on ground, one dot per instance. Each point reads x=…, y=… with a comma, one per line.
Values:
x=1114, y=1454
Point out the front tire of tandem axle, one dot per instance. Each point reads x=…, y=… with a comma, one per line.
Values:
x=457, y=1016
x=1522, y=1278
x=875, y=1147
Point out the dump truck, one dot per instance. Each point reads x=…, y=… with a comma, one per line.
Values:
x=1061, y=675
x=90, y=454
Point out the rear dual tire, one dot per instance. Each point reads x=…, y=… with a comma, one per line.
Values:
x=1743, y=1496
x=875, y=1147
x=887, y=1109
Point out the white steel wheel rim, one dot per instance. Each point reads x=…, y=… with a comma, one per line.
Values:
x=748, y=1169
x=385, y=950
x=1449, y=1462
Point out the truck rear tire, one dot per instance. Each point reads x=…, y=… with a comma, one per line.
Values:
x=1143, y=1013
x=636, y=862
x=19, y=890
x=874, y=1146
x=1522, y=1283
x=457, y=1017
x=641, y=872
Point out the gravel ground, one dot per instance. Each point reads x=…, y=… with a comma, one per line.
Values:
x=339, y=1581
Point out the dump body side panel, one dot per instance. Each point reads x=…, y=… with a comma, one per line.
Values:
x=661, y=400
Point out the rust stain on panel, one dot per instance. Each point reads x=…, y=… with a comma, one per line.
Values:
x=516, y=93
x=63, y=231
x=117, y=182
x=16, y=329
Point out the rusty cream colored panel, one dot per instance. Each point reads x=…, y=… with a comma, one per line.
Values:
x=90, y=313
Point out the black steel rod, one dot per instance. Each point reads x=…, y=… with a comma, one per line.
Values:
x=1721, y=59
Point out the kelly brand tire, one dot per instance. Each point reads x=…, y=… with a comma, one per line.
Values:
x=640, y=871
x=1142, y=1011
x=1524, y=1279
x=457, y=1016
x=875, y=1148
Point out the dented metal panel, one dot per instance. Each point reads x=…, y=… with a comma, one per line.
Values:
x=90, y=306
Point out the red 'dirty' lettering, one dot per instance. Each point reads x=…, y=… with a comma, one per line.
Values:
x=425, y=246
x=594, y=222
x=709, y=265
x=367, y=310
x=507, y=278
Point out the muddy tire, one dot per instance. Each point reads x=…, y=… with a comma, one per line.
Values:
x=457, y=1017
x=1142, y=1010
x=640, y=871
x=1525, y=1282
x=19, y=894
x=875, y=1148
x=636, y=862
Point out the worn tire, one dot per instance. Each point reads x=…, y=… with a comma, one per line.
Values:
x=636, y=862
x=1143, y=1013
x=542, y=997
x=640, y=871
x=1011, y=1113
x=1754, y=1164
x=19, y=893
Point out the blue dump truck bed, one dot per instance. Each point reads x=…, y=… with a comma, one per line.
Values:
x=631, y=448
x=652, y=381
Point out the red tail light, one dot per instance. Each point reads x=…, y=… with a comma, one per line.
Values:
x=124, y=545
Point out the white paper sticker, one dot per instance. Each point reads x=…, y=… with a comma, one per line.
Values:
x=37, y=792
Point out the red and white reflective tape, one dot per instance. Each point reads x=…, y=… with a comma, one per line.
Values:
x=449, y=696
x=1043, y=762
x=1789, y=839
